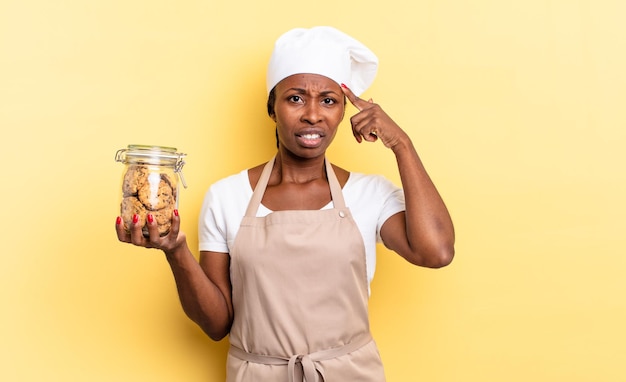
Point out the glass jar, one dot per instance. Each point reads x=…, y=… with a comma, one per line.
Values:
x=150, y=185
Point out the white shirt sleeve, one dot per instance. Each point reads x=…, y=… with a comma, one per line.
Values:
x=223, y=208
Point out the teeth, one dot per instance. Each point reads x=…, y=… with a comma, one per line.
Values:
x=310, y=136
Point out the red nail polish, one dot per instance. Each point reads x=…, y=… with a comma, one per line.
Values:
x=150, y=218
x=135, y=218
x=176, y=212
x=344, y=85
x=118, y=221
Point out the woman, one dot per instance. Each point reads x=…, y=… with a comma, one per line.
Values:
x=287, y=248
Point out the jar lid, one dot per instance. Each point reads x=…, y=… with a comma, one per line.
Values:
x=147, y=151
x=153, y=155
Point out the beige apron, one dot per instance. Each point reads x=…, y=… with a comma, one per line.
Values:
x=300, y=296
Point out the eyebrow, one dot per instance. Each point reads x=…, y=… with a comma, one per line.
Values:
x=322, y=93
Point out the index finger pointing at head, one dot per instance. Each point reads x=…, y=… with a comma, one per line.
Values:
x=356, y=101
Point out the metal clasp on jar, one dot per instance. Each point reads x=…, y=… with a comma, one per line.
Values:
x=178, y=168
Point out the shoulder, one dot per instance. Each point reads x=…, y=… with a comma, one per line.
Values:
x=238, y=180
x=374, y=194
x=370, y=183
x=227, y=197
x=228, y=190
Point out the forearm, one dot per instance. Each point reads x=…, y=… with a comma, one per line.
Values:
x=201, y=299
x=429, y=228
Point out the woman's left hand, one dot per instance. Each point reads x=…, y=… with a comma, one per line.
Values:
x=372, y=123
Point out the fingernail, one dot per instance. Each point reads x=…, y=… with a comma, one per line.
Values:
x=343, y=85
x=118, y=221
x=176, y=212
x=150, y=218
x=135, y=218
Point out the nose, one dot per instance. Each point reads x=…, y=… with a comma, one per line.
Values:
x=311, y=113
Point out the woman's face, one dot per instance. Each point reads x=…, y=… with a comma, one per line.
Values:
x=307, y=112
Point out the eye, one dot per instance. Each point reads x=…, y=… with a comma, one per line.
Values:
x=295, y=98
x=328, y=101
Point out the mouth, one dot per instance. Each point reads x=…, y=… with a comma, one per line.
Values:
x=310, y=139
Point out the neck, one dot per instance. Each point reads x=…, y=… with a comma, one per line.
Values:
x=288, y=169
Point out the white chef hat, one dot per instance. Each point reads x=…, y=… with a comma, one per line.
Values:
x=326, y=51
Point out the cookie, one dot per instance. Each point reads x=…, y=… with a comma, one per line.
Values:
x=156, y=196
x=171, y=182
x=163, y=218
x=131, y=206
x=135, y=177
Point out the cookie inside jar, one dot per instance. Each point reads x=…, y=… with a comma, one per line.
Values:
x=148, y=192
x=150, y=185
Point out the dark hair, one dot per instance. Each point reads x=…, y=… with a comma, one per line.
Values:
x=271, y=100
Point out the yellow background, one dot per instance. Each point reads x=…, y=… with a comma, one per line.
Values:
x=516, y=107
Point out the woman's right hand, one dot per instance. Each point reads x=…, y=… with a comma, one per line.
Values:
x=204, y=289
x=134, y=235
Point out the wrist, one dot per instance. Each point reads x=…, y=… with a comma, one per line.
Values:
x=178, y=251
x=401, y=144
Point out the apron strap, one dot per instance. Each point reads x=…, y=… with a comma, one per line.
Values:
x=335, y=187
x=309, y=363
x=259, y=190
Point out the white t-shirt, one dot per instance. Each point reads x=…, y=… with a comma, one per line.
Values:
x=372, y=199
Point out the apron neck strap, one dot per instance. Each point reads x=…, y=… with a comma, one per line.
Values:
x=335, y=187
x=259, y=190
